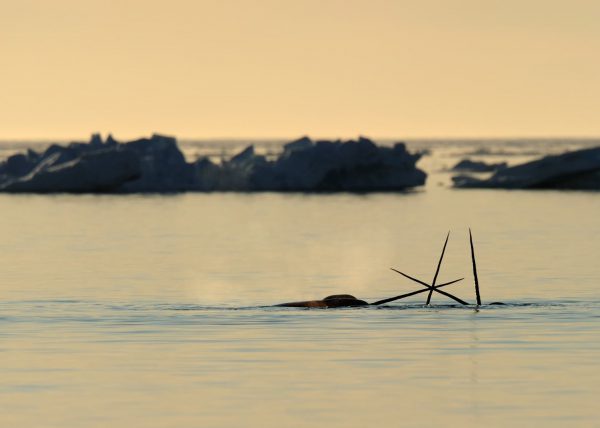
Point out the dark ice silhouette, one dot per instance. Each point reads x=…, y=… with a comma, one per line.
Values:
x=578, y=170
x=157, y=165
x=468, y=165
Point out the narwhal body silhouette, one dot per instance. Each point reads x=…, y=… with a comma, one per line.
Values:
x=335, y=301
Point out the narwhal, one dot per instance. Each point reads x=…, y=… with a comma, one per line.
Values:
x=347, y=300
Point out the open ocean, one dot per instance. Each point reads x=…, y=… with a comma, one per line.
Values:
x=153, y=310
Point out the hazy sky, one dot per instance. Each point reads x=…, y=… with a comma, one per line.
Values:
x=280, y=68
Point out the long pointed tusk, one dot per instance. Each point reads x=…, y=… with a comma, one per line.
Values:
x=402, y=296
x=474, y=269
x=437, y=271
x=462, y=302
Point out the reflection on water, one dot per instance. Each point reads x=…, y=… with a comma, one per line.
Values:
x=154, y=310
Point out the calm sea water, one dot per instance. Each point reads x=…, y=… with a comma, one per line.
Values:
x=153, y=310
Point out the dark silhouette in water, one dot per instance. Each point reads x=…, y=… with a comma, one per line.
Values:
x=335, y=301
x=347, y=300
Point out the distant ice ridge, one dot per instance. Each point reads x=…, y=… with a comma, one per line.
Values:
x=157, y=165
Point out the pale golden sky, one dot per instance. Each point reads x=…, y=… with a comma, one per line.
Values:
x=281, y=68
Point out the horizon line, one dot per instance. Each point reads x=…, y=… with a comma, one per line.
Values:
x=330, y=138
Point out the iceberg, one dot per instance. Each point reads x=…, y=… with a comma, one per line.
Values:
x=156, y=164
x=576, y=170
x=468, y=165
x=101, y=171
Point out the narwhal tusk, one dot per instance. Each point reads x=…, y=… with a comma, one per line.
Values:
x=437, y=271
x=402, y=296
x=462, y=302
x=424, y=283
x=410, y=277
x=474, y=269
x=448, y=283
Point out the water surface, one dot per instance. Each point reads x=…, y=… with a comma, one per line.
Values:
x=154, y=310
